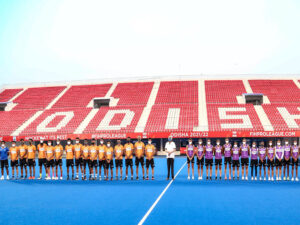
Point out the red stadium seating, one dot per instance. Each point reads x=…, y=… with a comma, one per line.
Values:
x=7, y=94
x=173, y=108
x=37, y=98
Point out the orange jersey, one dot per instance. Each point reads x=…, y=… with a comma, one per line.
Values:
x=150, y=151
x=50, y=152
x=14, y=153
x=69, y=151
x=85, y=152
x=31, y=151
x=58, y=151
x=109, y=154
x=42, y=151
x=128, y=150
x=101, y=152
x=23, y=151
x=78, y=148
x=119, y=151
x=93, y=152
x=139, y=149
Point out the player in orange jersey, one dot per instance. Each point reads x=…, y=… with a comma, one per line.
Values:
x=139, y=148
x=69, y=148
x=128, y=148
x=23, y=158
x=14, y=156
x=42, y=156
x=86, y=157
x=101, y=157
x=58, y=159
x=50, y=160
x=109, y=155
x=150, y=152
x=119, y=149
x=31, y=149
x=93, y=160
x=78, y=158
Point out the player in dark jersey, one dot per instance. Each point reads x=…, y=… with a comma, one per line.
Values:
x=262, y=153
x=227, y=157
x=254, y=160
x=208, y=151
x=271, y=160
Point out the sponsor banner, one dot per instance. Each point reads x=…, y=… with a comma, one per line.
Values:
x=145, y=135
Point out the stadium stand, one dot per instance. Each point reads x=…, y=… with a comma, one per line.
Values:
x=160, y=107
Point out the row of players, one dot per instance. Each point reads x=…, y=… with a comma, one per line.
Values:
x=91, y=156
x=278, y=156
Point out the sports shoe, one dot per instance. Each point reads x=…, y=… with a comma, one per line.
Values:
x=260, y=178
x=284, y=178
x=40, y=177
x=199, y=178
x=243, y=177
x=147, y=178
x=131, y=177
x=269, y=178
x=2, y=177
x=125, y=178
x=61, y=177
x=100, y=178
x=193, y=177
x=292, y=178
x=152, y=178
x=121, y=178
x=251, y=178
x=297, y=179
x=272, y=178
x=255, y=178
x=189, y=178
x=33, y=178
x=7, y=177
x=265, y=178
x=279, y=178
x=288, y=178
x=137, y=178
x=246, y=177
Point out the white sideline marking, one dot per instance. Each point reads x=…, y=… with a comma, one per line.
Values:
x=159, y=197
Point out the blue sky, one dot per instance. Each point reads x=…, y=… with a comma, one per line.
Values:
x=58, y=40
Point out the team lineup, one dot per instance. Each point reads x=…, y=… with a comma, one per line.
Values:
x=94, y=160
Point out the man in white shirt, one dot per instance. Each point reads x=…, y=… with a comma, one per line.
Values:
x=170, y=149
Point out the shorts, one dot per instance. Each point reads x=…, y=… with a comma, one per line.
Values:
x=150, y=162
x=119, y=162
x=262, y=163
x=93, y=163
x=78, y=162
x=227, y=160
x=279, y=163
x=270, y=163
x=209, y=162
x=42, y=162
x=190, y=160
x=200, y=161
x=294, y=163
x=14, y=163
x=50, y=163
x=218, y=162
x=109, y=164
x=23, y=162
x=139, y=161
x=86, y=162
x=4, y=163
x=286, y=162
x=58, y=162
x=244, y=161
x=102, y=164
x=128, y=162
x=254, y=162
x=235, y=162
x=70, y=162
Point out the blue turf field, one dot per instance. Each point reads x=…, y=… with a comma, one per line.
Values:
x=126, y=202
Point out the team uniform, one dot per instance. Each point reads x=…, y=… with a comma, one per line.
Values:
x=119, y=156
x=244, y=155
x=109, y=154
x=190, y=153
x=69, y=155
x=236, y=156
x=139, y=154
x=295, y=155
x=279, y=152
x=208, y=155
x=150, y=151
x=86, y=155
x=42, y=154
x=23, y=155
x=128, y=154
x=31, y=149
x=78, y=153
x=262, y=153
x=200, y=153
x=14, y=156
x=218, y=155
x=254, y=161
x=270, y=154
x=101, y=156
x=287, y=155
x=93, y=156
x=227, y=154
x=49, y=156
x=58, y=155
x=4, y=157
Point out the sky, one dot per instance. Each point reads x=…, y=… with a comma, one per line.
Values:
x=62, y=40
